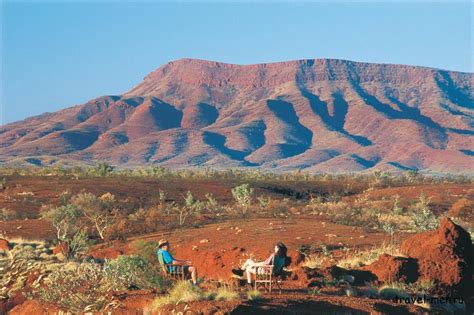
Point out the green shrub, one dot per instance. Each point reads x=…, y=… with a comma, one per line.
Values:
x=103, y=169
x=423, y=219
x=133, y=272
x=78, y=288
x=77, y=246
x=243, y=196
x=7, y=214
x=65, y=220
x=97, y=210
x=146, y=250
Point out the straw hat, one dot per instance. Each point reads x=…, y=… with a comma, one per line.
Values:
x=162, y=242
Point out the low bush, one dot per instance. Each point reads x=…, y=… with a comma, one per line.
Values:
x=78, y=288
x=146, y=250
x=243, y=197
x=7, y=215
x=133, y=272
x=423, y=219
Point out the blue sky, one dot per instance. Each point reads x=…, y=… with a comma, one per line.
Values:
x=58, y=54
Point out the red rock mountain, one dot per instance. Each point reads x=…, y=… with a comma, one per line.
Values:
x=321, y=115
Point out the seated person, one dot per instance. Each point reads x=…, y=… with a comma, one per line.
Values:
x=278, y=259
x=168, y=259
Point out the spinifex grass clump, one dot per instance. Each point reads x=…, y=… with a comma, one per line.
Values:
x=78, y=288
x=226, y=294
x=183, y=291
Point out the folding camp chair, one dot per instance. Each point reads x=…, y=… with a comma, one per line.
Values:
x=264, y=275
x=175, y=272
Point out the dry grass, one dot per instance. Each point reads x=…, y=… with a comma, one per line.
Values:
x=315, y=261
x=363, y=258
x=182, y=291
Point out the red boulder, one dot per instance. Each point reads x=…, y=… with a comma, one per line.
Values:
x=445, y=256
x=389, y=269
x=4, y=244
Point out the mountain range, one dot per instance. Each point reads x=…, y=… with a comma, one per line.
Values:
x=316, y=115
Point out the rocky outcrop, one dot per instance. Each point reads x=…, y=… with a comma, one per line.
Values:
x=393, y=269
x=445, y=256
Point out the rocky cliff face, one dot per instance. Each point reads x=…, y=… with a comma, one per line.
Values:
x=318, y=115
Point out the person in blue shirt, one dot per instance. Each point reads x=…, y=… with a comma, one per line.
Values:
x=163, y=250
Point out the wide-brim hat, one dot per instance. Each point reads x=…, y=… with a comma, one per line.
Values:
x=162, y=242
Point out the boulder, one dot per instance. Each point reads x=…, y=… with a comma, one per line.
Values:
x=389, y=269
x=445, y=256
x=4, y=244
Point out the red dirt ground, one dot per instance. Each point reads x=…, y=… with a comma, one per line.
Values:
x=218, y=247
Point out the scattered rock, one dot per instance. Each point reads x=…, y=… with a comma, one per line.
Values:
x=351, y=292
x=204, y=241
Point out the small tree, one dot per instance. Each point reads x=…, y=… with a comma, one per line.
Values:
x=98, y=210
x=397, y=209
x=65, y=220
x=212, y=204
x=263, y=202
x=423, y=219
x=162, y=200
x=103, y=169
x=183, y=213
x=243, y=196
x=189, y=199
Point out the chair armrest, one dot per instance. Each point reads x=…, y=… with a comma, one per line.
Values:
x=176, y=268
x=264, y=268
x=180, y=264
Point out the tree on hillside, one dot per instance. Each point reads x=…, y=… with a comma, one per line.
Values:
x=243, y=196
x=65, y=220
x=98, y=210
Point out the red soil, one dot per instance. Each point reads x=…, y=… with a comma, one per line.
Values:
x=215, y=248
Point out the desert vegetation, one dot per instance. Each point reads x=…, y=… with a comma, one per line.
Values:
x=60, y=223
